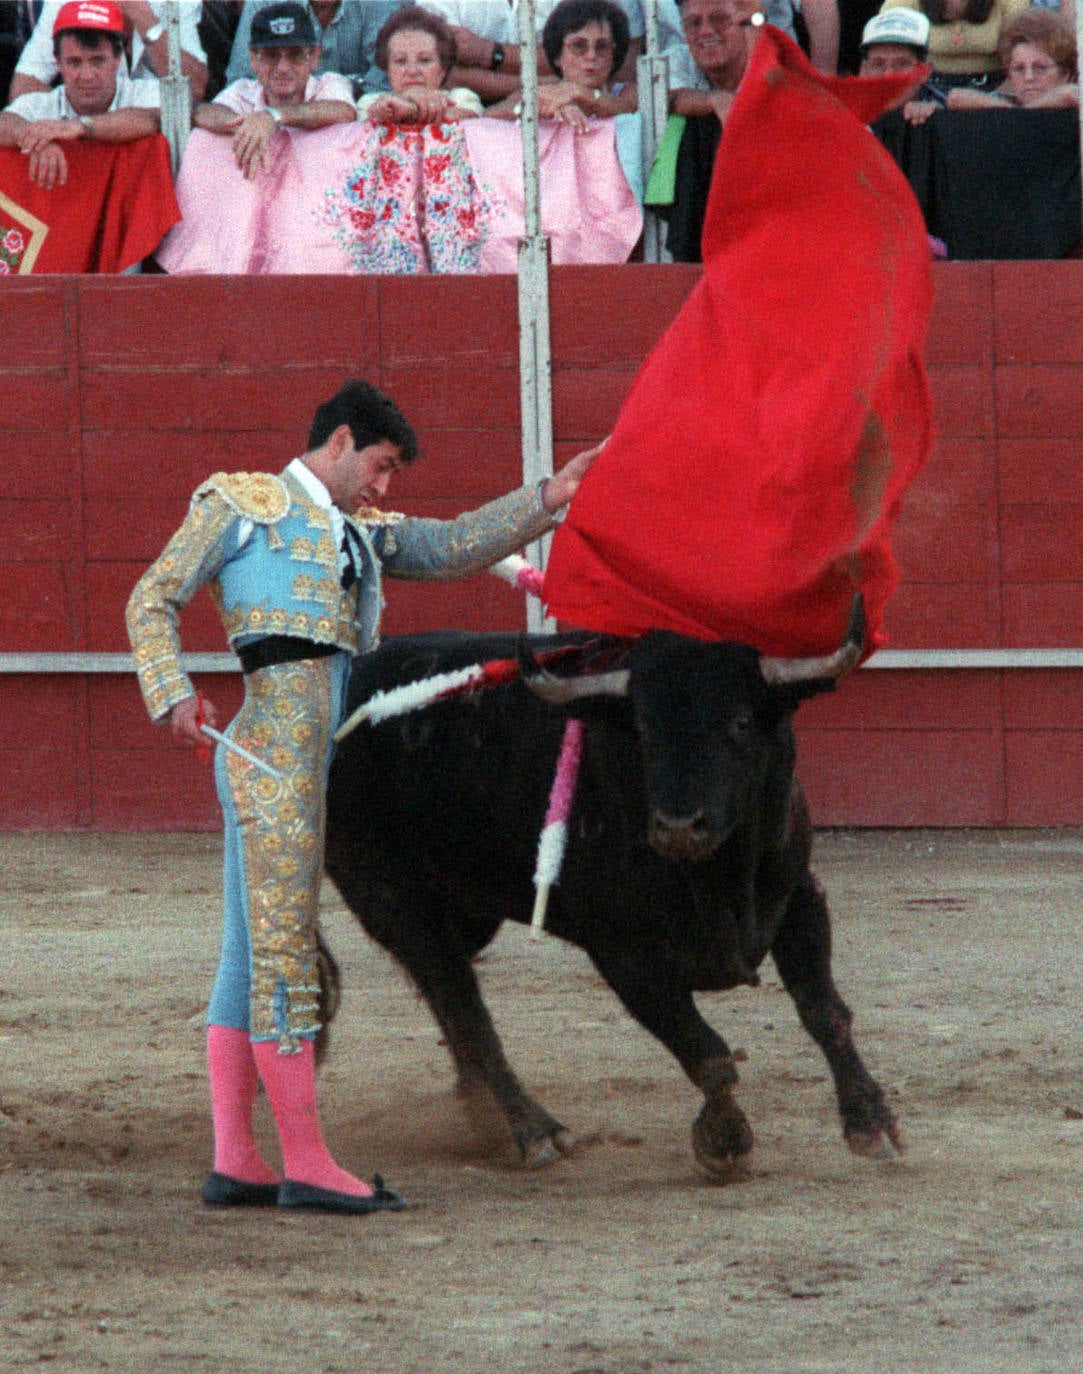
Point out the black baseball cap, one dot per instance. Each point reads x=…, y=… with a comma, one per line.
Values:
x=285, y=25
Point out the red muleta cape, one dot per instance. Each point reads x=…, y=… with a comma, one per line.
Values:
x=751, y=479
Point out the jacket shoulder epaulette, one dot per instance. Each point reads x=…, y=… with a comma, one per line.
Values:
x=259, y=496
x=372, y=515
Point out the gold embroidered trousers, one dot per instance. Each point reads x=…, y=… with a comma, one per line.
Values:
x=274, y=840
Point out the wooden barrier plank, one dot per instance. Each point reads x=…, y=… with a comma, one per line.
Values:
x=1044, y=469
x=1037, y=312
x=1039, y=400
x=1042, y=542
x=177, y=324
x=1049, y=614
x=903, y=777
x=1044, y=777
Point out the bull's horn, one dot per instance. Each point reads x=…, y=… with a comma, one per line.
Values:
x=559, y=690
x=780, y=671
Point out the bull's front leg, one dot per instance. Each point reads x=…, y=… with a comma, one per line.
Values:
x=802, y=954
x=661, y=1001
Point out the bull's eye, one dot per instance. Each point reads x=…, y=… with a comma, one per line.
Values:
x=740, y=726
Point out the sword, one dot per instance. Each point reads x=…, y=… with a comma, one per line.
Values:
x=240, y=749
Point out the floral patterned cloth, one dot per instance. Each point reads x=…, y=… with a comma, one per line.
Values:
x=410, y=203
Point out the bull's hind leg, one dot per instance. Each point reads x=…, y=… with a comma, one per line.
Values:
x=413, y=929
x=802, y=954
x=662, y=1003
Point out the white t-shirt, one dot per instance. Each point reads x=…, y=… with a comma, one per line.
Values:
x=37, y=58
x=54, y=104
x=246, y=95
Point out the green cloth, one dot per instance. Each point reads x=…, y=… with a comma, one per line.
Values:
x=664, y=167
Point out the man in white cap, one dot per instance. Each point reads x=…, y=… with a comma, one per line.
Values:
x=894, y=41
x=96, y=100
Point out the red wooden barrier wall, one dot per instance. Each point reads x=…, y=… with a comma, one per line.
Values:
x=117, y=396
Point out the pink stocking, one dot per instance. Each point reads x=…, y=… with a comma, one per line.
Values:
x=233, y=1093
x=290, y=1081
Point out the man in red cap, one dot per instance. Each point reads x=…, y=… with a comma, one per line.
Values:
x=97, y=99
x=144, y=25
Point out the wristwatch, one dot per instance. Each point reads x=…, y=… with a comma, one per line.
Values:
x=497, y=60
x=269, y=109
x=154, y=32
x=88, y=125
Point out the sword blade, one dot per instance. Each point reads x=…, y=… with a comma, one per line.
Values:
x=240, y=749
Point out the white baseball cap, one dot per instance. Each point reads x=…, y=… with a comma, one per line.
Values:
x=905, y=26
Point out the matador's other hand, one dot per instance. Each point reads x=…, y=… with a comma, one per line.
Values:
x=186, y=718
x=562, y=486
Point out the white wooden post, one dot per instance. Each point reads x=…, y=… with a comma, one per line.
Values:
x=652, y=81
x=176, y=93
x=535, y=354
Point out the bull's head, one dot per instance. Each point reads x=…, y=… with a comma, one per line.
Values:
x=713, y=720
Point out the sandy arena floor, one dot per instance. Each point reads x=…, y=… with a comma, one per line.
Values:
x=961, y=954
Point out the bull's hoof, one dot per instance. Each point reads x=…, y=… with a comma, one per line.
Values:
x=874, y=1143
x=722, y=1143
x=539, y=1153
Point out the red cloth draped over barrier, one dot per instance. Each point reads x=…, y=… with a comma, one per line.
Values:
x=751, y=479
x=117, y=203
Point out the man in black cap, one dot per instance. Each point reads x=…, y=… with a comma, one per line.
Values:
x=284, y=52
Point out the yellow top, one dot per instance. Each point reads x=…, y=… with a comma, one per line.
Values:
x=960, y=48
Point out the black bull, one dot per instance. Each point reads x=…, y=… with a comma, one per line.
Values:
x=687, y=859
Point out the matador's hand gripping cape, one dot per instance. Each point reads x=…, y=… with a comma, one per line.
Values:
x=755, y=468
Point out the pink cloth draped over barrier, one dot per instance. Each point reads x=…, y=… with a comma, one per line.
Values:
x=587, y=207
x=373, y=198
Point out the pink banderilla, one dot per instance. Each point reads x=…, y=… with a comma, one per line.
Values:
x=415, y=696
x=554, y=836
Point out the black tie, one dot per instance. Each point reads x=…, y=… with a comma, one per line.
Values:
x=351, y=550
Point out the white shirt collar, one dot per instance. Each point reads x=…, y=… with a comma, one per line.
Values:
x=322, y=497
x=311, y=483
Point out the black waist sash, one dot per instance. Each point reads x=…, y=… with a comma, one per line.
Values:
x=272, y=649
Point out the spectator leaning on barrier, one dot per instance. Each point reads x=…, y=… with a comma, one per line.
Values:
x=347, y=32
x=585, y=43
x=416, y=49
x=1038, y=56
x=717, y=40
x=96, y=99
x=286, y=92
x=37, y=69
x=487, y=40
x=896, y=41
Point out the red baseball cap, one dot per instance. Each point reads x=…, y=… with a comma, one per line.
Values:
x=99, y=15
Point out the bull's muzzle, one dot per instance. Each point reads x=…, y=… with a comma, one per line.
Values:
x=683, y=837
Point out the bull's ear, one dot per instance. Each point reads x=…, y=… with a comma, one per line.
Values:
x=788, y=697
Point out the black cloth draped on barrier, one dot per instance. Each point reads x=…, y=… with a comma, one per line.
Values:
x=692, y=181
x=992, y=183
